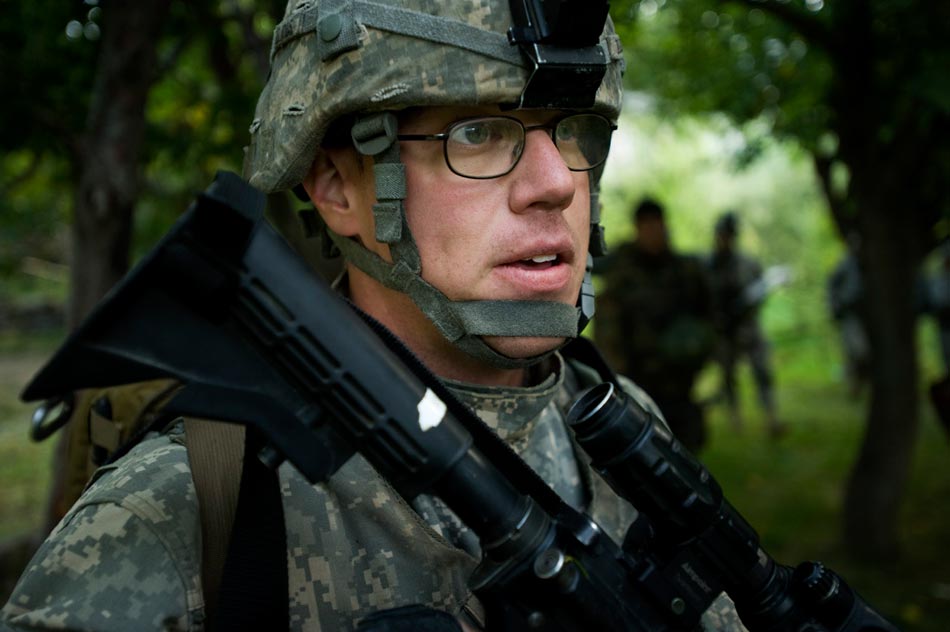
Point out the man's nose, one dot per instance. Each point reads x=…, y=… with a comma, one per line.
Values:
x=542, y=179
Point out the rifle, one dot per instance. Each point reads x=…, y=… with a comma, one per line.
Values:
x=772, y=278
x=224, y=306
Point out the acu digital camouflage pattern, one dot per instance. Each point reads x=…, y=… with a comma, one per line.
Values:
x=128, y=555
x=315, y=78
x=655, y=319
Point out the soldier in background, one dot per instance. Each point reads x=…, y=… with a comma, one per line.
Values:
x=938, y=302
x=735, y=279
x=936, y=290
x=654, y=320
x=847, y=305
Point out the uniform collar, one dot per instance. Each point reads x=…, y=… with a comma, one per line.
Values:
x=512, y=411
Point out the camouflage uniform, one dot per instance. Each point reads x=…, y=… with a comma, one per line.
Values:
x=127, y=556
x=654, y=323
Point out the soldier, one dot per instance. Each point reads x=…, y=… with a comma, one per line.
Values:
x=464, y=214
x=847, y=304
x=936, y=301
x=732, y=276
x=654, y=321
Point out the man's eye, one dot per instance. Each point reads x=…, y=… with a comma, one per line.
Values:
x=474, y=134
x=566, y=132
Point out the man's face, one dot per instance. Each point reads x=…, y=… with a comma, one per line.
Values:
x=521, y=236
x=652, y=235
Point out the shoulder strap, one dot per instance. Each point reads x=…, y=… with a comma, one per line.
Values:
x=216, y=456
x=253, y=589
x=244, y=543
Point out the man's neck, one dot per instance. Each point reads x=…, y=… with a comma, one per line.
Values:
x=402, y=317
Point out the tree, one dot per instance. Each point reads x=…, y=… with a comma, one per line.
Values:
x=861, y=85
x=107, y=153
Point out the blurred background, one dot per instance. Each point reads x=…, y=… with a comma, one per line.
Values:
x=816, y=124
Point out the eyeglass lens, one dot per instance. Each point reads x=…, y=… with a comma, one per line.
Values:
x=491, y=146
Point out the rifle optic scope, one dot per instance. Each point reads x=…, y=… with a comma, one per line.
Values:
x=644, y=463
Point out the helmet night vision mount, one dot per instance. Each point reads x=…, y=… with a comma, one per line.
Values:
x=561, y=40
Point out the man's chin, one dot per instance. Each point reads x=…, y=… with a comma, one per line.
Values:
x=523, y=347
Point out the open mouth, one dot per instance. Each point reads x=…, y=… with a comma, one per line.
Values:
x=537, y=275
x=539, y=262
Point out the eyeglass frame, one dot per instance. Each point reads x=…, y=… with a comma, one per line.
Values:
x=550, y=126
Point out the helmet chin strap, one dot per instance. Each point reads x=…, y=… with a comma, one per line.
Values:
x=463, y=323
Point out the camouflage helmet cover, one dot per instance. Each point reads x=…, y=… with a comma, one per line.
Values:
x=337, y=57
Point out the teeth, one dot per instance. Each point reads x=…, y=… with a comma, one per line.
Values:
x=543, y=258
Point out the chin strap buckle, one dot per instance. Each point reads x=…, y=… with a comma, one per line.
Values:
x=373, y=134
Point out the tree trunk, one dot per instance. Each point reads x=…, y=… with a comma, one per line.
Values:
x=890, y=253
x=888, y=217
x=108, y=162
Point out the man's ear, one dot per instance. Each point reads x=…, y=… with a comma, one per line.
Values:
x=333, y=190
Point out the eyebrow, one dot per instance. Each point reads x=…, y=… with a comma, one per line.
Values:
x=552, y=115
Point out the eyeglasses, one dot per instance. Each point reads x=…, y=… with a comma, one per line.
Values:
x=490, y=146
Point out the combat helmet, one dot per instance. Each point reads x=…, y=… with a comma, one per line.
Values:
x=331, y=59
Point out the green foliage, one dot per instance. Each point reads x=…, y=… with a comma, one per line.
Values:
x=33, y=209
x=47, y=79
x=199, y=111
x=791, y=491
x=729, y=58
x=791, y=63
x=212, y=63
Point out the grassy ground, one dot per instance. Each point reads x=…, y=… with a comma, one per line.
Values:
x=789, y=491
x=24, y=465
